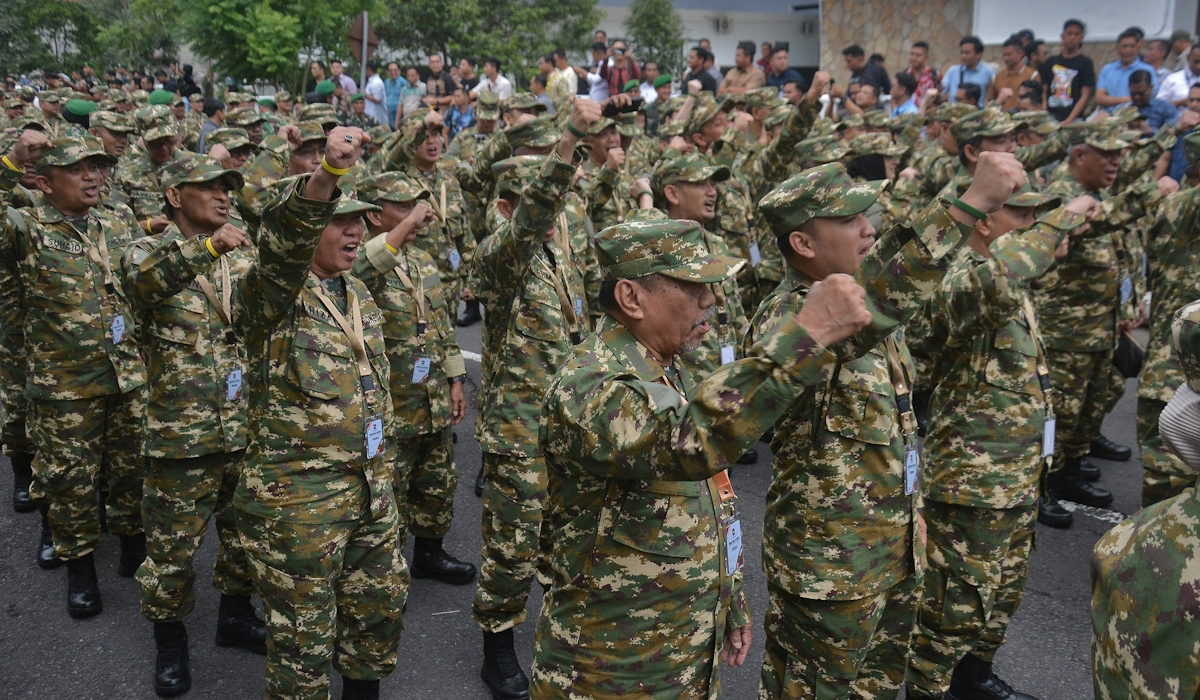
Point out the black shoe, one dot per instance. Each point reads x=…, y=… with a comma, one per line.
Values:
x=239, y=626
x=1088, y=470
x=470, y=314
x=750, y=456
x=47, y=558
x=1052, y=514
x=430, y=560
x=1104, y=448
x=769, y=436
x=22, y=466
x=353, y=689
x=479, y=482
x=83, y=590
x=133, y=553
x=1068, y=485
x=973, y=679
x=171, y=673
x=501, y=670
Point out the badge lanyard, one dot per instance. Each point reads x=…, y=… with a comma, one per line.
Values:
x=416, y=290
x=100, y=257
x=1043, y=371
x=728, y=354
x=755, y=251
x=374, y=431
x=908, y=421
x=224, y=309
x=558, y=274
x=731, y=521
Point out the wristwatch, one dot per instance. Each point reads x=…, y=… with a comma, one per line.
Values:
x=460, y=378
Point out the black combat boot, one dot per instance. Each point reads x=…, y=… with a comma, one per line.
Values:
x=974, y=679
x=171, y=673
x=1088, y=469
x=133, y=553
x=22, y=466
x=1104, y=448
x=501, y=670
x=1069, y=485
x=430, y=560
x=479, y=481
x=83, y=590
x=353, y=689
x=750, y=456
x=47, y=558
x=1052, y=514
x=238, y=625
x=470, y=315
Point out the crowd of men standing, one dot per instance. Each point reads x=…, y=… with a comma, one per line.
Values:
x=248, y=317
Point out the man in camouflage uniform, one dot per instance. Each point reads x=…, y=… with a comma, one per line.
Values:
x=295, y=150
x=52, y=106
x=236, y=145
x=472, y=138
x=138, y=177
x=985, y=447
x=86, y=378
x=640, y=602
x=1144, y=607
x=605, y=184
x=1174, y=280
x=248, y=119
x=427, y=368
x=842, y=543
x=537, y=311
x=113, y=131
x=315, y=506
x=285, y=107
x=180, y=285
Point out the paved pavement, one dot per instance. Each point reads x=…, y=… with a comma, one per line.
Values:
x=45, y=654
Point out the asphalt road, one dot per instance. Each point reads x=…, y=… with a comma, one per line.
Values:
x=45, y=654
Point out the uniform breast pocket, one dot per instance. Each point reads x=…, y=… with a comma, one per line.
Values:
x=661, y=518
x=1094, y=252
x=861, y=404
x=322, y=362
x=179, y=319
x=62, y=273
x=537, y=316
x=1012, y=363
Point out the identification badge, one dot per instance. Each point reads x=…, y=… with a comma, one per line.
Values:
x=755, y=255
x=912, y=466
x=233, y=384
x=727, y=354
x=421, y=370
x=1126, y=290
x=118, y=329
x=1048, y=437
x=374, y=436
x=578, y=308
x=455, y=259
x=733, y=547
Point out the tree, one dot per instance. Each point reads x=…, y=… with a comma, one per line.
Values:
x=55, y=34
x=655, y=33
x=139, y=33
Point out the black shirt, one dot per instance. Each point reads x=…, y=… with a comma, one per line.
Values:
x=441, y=85
x=873, y=74
x=707, y=82
x=1064, y=79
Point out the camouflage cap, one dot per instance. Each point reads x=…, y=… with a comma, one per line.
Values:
x=877, y=119
x=311, y=131
x=194, y=169
x=392, y=186
x=600, y=125
x=878, y=143
x=120, y=96
x=71, y=150
x=820, y=150
x=851, y=121
x=49, y=97
x=378, y=134
x=627, y=125
x=140, y=96
x=1185, y=340
x=487, y=106
x=671, y=106
x=672, y=248
x=523, y=100
x=1038, y=121
x=1191, y=146
x=155, y=122
x=26, y=93
x=1027, y=197
x=668, y=129
x=823, y=127
x=903, y=121
x=1105, y=138
x=535, y=133
x=160, y=97
x=243, y=117
x=951, y=111
x=29, y=122
x=284, y=96
x=320, y=112
x=349, y=203
x=762, y=97
x=825, y=191
x=231, y=138
x=1124, y=115
x=415, y=115
x=705, y=110
x=985, y=123
x=694, y=167
x=777, y=116
x=513, y=174
x=176, y=100
x=196, y=97
x=14, y=103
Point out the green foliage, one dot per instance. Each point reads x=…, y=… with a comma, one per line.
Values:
x=655, y=33
x=56, y=34
x=140, y=33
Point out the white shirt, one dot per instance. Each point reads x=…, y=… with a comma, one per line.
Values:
x=649, y=94
x=1176, y=85
x=597, y=87
x=377, y=99
x=502, y=87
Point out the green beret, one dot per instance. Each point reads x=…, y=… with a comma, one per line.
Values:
x=325, y=87
x=71, y=150
x=630, y=85
x=672, y=248
x=160, y=97
x=392, y=186
x=987, y=123
x=267, y=101
x=661, y=80
x=357, y=97
x=81, y=108
x=825, y=191
x=694, y=167
x=194, y=169
x=155, y=122
x=513, y=174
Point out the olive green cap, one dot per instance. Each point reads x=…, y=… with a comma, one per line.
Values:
x=523, y=100
x=877, y=119
x=694, y=167
x=243, y=117
x=1037, y=121
x=231, y=138
x=194, y=169
x=878, y=143
x=762, y=97
x=284, y=96
x=535, y=133
x=392, y=186
x=777, y=116
x=319, y=112
x=155, y=122
x=325, y=87
x=161, y=97
x=705, y=110
x=951, y=111
x=80, y=108
x=70, y=150
x=487, y=106
x=820, y=150
x=349, y=203
x=1185, y=340
x=311, y=131
x=986, y=123
x=825, y=191
x=513, y=174
x=1191, y=146
x=672, y=248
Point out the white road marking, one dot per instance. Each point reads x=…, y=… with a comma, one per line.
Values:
x=1101, y=514
x=447, y=612
x=473, y=356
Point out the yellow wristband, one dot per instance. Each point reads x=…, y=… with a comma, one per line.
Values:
x=10, y=166
x=211, y=249
x=332, y=170
x=148, y=229
x=391, y=249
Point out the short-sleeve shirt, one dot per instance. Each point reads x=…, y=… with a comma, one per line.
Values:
x=1114, y=77
x=750, y=78
x=874, y=74
x=440, y=85
x=959, y=74
x=1065, y=78
x=1003, y=79
x=706, y=80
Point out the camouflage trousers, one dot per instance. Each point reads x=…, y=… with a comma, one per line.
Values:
x=14, y=432
x=77, y=443
x=838, y=649
x=425, y=482
x=1082, y=382
x=180, y=497
x=978, y=565
x=1165, y=474
x=514, y=494
x=332, y=595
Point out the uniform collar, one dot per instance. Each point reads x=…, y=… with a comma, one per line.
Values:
x=796, y=279
x=47, y=214
x=629, y=352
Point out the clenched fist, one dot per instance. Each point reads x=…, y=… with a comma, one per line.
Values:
x=834, y=309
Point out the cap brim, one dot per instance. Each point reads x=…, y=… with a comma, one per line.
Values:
x=488, y=114
x=1029, y=200
x=707, y=269
x=401, y=198
x=718, y=173
x=160, y=132
x=347, y=206
x=856, y=199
